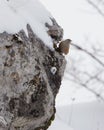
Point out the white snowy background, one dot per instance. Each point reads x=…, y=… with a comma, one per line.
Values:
x=77, y=107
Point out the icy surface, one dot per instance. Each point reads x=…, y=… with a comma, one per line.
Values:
x=16, y=14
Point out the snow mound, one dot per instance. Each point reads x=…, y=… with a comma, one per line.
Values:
x=16, y=14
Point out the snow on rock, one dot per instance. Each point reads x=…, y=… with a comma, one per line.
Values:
x=16, y=14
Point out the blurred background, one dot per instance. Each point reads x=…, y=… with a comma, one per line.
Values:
x=80, y=101
x=83, y=22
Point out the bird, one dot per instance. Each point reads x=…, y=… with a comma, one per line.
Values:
x=64, y=46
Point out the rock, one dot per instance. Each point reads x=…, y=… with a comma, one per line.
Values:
x=30, y=78
x=55, y=31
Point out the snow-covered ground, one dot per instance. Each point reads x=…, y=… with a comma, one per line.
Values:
x=59, y=125
x=77, y=109
x=80, y=116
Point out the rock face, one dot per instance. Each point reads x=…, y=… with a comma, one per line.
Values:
x=30, y=77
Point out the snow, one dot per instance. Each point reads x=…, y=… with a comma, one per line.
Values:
x=59, y=125
x=79, y=116
x=70, y=91
x=16, y=14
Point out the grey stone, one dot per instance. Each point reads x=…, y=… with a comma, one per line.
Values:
x=27, y=86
